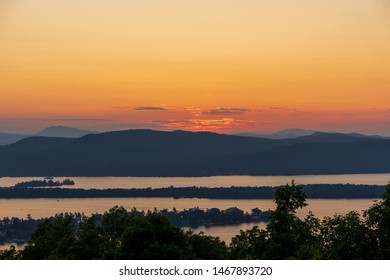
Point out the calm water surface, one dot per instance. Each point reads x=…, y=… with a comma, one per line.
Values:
x=217, y=181
x=39, y=208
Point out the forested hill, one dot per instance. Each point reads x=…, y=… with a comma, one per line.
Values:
x=323, y=191
x=180, y=153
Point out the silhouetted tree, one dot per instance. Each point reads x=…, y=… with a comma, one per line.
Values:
x=286, y=236
x=347, y=237
x=378, y=219
x=52, y=240
x=9, y=254
x=249, y=244
x=205, y=247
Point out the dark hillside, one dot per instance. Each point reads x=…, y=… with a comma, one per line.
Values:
x=180, y=153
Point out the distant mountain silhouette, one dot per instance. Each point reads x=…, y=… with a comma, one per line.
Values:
x=330, y=137
x=38, y=143
x=52, y=131
x=9, y=138
x=64, y=131
x=181, y=153
x=283, y=134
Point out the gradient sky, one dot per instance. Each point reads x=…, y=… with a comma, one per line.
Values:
x=221, y=65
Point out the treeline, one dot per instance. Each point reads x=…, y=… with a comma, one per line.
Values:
x=350, y=236
x=44, y=183
x=135, y=235
x=196, y=217
x=118, y=235
x=312, y=191
x=16, y=230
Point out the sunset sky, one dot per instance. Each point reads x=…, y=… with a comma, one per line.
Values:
x=219, y=65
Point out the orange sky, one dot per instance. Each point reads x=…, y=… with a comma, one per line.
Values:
x=221, y=65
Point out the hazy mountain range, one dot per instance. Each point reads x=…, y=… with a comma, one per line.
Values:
x=283, y=134
x=181, y=153
x=52, y=131
x=296, y=132
x=70, y=132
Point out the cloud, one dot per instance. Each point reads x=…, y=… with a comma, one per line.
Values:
x=225, y=111
x=59, y=119
x=125, y=126
x=192, y=122
x=170, y=121
x=142, y=108
x=281, y=108
x=199, y=124
x=150, y=108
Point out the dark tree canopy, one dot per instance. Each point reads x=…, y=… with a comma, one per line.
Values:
x=122, y=234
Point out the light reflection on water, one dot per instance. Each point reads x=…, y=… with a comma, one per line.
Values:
x=212, y=182
x=39, y=208
x=7, y=246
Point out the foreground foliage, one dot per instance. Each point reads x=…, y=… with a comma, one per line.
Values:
x=120, y=234
x=16, y=230
x=350, y=236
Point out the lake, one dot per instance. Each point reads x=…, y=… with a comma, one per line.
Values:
x=320, y=207
x=212, y=182
x=39, y=208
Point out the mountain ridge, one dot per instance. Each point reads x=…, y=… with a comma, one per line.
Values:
x=51, y=131
x=282, y=134
x=64, y=131
x=149, y=153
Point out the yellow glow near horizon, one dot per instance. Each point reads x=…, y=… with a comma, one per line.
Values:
x=91, y=62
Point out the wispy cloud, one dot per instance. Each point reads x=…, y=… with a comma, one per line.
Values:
x=284, y=109
x=125, y=126
x=59, y=119
x=150, y=108
x=199, y=124
x=225, y=111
